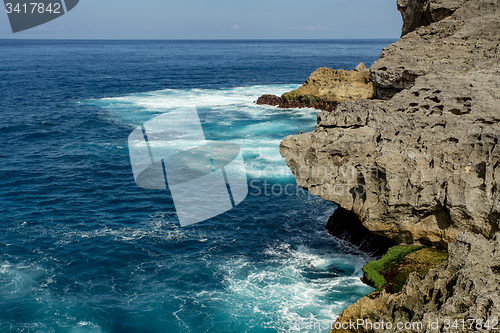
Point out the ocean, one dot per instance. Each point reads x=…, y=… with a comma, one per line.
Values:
x=84, y=249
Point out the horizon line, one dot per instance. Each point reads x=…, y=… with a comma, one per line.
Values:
x=204, y=39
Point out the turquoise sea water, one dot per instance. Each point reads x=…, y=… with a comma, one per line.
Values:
x=83, y=249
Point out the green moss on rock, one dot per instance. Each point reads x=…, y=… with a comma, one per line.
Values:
x=419, y=261
x=390, y=272
x=373, y=271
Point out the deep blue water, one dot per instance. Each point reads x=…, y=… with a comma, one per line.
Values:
x=84, y=249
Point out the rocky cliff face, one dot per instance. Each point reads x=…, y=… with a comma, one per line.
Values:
x=418, y=13
x=421, y=163
x=446, y=50
x=466, y=286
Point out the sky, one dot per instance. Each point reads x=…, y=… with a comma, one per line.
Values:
x=219, y=19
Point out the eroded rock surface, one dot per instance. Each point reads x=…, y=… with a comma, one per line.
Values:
x=418, y=13
x=427, y=157
x=421, y=162
x=468, y=40
x=466, y=286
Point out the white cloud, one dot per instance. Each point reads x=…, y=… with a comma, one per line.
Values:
x=316, y=28
x=235, y=27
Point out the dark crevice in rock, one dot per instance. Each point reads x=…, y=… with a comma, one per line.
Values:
x=345, y=225
x=339, y=126
x=386, y=93
x=494, y=222
x=481, y=170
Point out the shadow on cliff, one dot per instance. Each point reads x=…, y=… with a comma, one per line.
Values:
x=346, y=226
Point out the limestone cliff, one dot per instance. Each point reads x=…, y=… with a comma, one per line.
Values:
x=421, y=163
x=417, y=13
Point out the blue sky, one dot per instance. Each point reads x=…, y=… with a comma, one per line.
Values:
x=220, y=19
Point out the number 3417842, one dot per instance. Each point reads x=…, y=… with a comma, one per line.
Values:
x=33, y=7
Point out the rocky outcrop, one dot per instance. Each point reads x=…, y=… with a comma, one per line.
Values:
x=446, y=50
x=325, y=89
x=272, y=100
x=465, y=287
x=418, y=13
x=421, y=163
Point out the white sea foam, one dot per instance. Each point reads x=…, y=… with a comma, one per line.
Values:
x=292, y=286
x=283, y=296
x=163, y=100
x=32, y=284
x=227, y=115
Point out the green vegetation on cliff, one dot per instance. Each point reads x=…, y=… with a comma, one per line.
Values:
x=392, y=270
x=373, y=271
